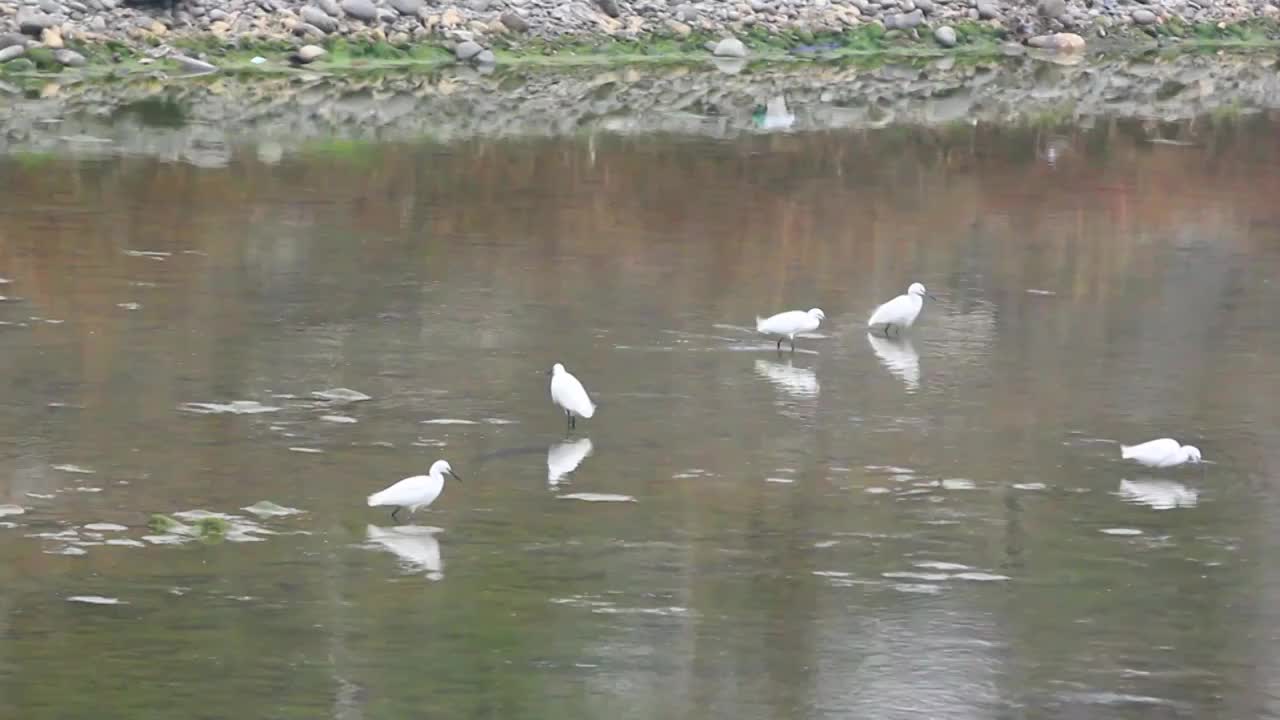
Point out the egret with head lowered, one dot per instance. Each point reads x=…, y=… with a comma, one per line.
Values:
x=570, y=396
x=902, y=311
x=786, y=325
x=414, y=492
x=1162, y=453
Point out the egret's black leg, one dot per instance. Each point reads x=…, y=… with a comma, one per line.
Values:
x=568, y=420
x=793, y=343
x=393, y=514
x=779, y=344
x=573, y=421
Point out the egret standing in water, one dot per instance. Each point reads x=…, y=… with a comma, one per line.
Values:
x=569, y=394
x=901, y=311
x=787, y=325
x=1162, y=453
x=414, y=492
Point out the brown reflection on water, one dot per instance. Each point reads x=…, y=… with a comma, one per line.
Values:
x=443, y=280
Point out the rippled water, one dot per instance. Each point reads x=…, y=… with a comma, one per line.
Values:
x=932, y=527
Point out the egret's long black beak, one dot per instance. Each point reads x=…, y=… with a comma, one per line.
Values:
x=932, y=297
x=455, y=476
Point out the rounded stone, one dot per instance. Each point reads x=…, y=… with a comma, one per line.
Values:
x=730, y=47
x=467, y=50
x=12, y=52
x=514, y=22
x=319, y=18
x=945, y=36
x=308, y=54
x=360, y=9
x=1142, y=16
x=69, y=58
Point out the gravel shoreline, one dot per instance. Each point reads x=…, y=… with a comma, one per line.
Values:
x=50, y=34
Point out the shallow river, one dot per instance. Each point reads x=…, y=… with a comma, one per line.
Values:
x=934, y=527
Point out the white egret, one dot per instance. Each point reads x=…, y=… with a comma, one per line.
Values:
x=901, y=311
x=563, y=458
x=786, y=325
x=569, y=394
x=1162, y=453
x=414, y=492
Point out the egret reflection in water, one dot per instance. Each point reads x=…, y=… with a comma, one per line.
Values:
x=792, y=380
x=565, y=457
x=1159, y=494
x=415, y=545
x=774, y=115
x=899, y=356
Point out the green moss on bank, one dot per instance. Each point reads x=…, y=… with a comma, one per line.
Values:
x=869, y=44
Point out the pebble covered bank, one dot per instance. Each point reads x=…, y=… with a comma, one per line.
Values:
x=67, y=32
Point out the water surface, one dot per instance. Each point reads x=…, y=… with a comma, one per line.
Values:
x=932, y=527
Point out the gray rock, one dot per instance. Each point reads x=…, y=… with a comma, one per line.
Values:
x=1142, y=16
x=988, y=10
x=50, y=6
x=406, y=7
x=217, y=14
x=514, y=22
x=11, y=39
x=319, y=18
x=686, y=12
x=610, y=7
x=730, y=47
x=485, y=58
x=360, y=9
x=98, y=23
x=307, y=30
x=467, y=50
x=946, y=36
x=35, y=23
x=1052, y=8
x=331, y=7
x=11, y=52
x=69, y=58
x=192, y=65
x=906, y=21
x=925, y=6
x=308, y=54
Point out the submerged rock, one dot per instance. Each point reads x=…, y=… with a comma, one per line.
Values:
x=266, y=508
x=341, y=395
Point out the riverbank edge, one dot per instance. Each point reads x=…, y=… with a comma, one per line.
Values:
x=198, y=52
